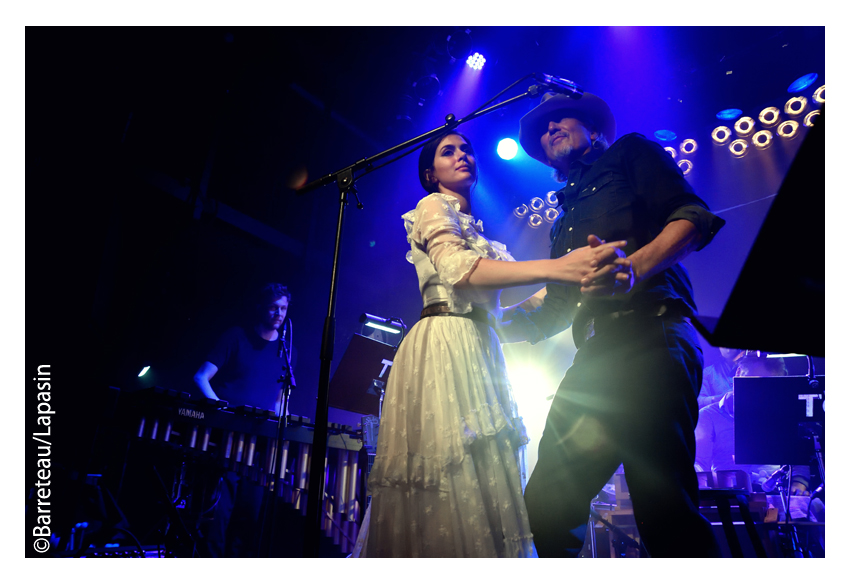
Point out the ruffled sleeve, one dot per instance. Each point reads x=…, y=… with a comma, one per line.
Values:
x=436, y=228
x=445, y=246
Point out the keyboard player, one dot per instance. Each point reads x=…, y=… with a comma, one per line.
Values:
x=244, y=368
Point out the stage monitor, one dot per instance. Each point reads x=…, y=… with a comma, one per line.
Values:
x=774, y=418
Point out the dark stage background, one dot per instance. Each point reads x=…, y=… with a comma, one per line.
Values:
x=161, y=165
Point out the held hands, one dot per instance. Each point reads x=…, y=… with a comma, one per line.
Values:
x=613, y=273
x=591, y=266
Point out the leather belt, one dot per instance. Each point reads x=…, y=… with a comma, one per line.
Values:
x=442, y=309
x=601, y=322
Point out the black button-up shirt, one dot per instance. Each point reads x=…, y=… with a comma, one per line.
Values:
x=630, y=192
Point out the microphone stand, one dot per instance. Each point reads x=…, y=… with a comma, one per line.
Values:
x=345, y=179
x=277, y=476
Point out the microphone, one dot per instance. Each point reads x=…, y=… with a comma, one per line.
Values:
x=559, y=85
x=770, y=483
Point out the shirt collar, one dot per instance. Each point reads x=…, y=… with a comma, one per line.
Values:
x=586, y=160
x=592, y=156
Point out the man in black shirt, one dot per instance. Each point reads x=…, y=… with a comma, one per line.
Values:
x=630, y=396
x=245, y=368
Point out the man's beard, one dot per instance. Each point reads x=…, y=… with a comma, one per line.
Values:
x=563, y=155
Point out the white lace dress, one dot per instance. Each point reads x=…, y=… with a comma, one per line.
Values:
x=445, y=481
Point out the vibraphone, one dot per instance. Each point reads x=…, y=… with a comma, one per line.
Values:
x=244, y=440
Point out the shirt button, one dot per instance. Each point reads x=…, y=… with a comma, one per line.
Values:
x=572, y=208
x=569, y=249
x=579, y=304
x=572, y=184
x=593, y=189
x=570, y=229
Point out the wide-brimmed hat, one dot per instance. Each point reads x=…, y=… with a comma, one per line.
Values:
x=589, y=107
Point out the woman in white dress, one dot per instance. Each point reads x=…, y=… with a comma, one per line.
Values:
x=445, y=481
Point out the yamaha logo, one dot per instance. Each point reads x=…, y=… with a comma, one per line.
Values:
x=190, y=413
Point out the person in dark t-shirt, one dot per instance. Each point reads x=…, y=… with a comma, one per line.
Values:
x=245, y=366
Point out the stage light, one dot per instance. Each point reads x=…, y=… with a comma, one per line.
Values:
x=819, y=96
x=476, y=61
x=671, y=151
x=686, y=165
x=769, y=116
x=688, y=146
x=802, y=83
x=507, y=149
x=809, y=120
x=552, y=198
x=550, y=215
x=144, y=370
x=788, y=129
x=665, y=135
x=729, y=114
x=390, y=325
x=745, y=126
x=796, y=105
x=721, y=135
x=738, y=148
x=459, y=44
x=535, y=221
x=763, y=139
x=536, y=204
x=521, y=211
x=427, y=87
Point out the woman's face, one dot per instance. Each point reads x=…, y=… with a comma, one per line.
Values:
x=454, y=165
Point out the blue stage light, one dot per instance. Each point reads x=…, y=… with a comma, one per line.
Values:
x=507, y=148
x=802, y=83
x=665, y=135
x=476, y=61
x=729, y=114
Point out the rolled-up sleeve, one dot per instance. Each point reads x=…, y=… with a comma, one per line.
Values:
x=660, y=184
x=706, y=222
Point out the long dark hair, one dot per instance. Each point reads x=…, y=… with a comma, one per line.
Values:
x=426, y=158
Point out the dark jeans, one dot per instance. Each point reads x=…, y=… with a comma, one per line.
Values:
x=630, y=398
